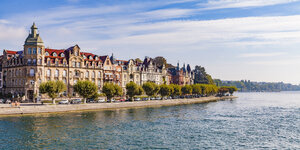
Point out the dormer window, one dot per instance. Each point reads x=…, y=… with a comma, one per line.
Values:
x=54, y=54
x=96, y=58
x=62, y=55
x=46, y=54
x=84, y=57
x=90, y=57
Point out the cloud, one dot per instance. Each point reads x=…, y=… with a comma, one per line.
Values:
x=271, y=54
x=221, y=4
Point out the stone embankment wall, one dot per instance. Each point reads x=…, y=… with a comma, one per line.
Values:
x=37, y=108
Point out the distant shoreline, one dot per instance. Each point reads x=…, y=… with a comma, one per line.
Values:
x=37, y=109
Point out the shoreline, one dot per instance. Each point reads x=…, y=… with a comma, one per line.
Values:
x=40, y=109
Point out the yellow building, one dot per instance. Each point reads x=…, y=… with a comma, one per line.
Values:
x=23, y=71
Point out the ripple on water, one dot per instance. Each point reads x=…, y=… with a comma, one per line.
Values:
x=253, y=121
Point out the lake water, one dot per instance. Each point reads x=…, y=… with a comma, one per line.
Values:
x=253, y=121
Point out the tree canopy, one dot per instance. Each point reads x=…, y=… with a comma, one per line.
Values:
x=85, y=88
x=52, y=88
x=133, y=89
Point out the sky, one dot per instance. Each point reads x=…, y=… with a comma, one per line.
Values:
x=257, y=40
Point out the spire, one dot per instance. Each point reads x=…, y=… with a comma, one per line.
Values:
x=178, y=65
x=34, y=30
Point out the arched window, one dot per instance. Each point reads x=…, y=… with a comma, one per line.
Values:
x=56, y=73
x=29, y=61
x=54, y=54
x=40, y=50
x=64, y=73
x=78, y=64
x=87, y=74
x=48, y=73
x=93, y=74
x=99, y=74
x=46, y=54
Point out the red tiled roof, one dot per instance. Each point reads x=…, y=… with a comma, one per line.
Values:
x=11, y=52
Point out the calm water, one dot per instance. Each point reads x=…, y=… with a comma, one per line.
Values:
x=253, y=121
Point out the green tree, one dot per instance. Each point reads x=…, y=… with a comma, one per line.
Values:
x=187, y=89
x=232, y=89
x=176, y=89
x=86, y=89
x=150, y=88
x=196, y=89
x=165, y=90
x=111, y=90
x=52, y=88
x=133, y=89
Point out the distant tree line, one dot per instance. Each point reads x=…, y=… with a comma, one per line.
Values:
x=249, y=86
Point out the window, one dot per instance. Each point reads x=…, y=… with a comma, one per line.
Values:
x=75, y=81
x=62, y=55
x=33, y=50
x=74, y=64
x=65, y=80
x=99, y=74
x=96, y=58
x=40, y=61
x=40, y=50
x=78, y=64
x=84, y=57
x=99, y=82
x=29, y=61
x=87, y=74
x=29, y=51
x=56, y=73
x=31, y=72
x=49, y=62
x=93, y=74
x=76, y=53
x=90, y=57
x=54, y=54
x=64, y=73
x=56, y=63
x=34, y=61
x=65, y=64
x=48, y=73
x=46, y=54
x=77, y=73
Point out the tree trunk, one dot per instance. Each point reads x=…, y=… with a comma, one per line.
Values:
x=53, y=101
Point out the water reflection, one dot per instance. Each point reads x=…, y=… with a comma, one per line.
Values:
x=250, y=122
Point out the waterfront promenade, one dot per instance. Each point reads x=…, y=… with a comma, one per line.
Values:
x=6, y=109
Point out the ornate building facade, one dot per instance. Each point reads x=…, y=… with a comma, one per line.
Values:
x=23, y=71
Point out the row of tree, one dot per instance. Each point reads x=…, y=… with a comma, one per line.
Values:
x=88, y=89
x=250, y=86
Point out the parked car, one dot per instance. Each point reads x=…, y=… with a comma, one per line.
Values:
x=90, y=100
x=137, y=99
x=76, y=101
x=158, y=98
x=64, y=102
x=8, y=101
x=122, y=100
x=101, y=100
x=145, y=98
x=152, y=98
x=111, y=100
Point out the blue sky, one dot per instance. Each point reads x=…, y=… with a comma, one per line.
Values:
x=257, y=40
